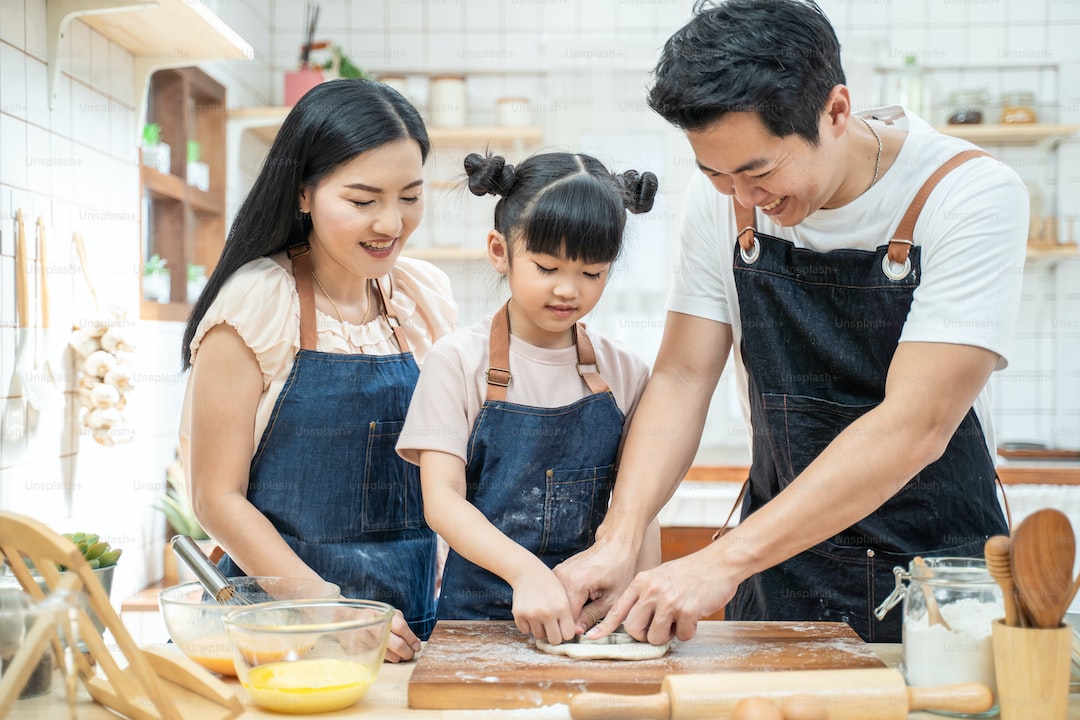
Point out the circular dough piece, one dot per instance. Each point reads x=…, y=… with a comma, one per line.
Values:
x=615, y=646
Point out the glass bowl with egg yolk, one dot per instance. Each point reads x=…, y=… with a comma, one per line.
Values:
x=309, y=656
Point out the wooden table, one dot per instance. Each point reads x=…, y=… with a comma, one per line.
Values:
x=386, y=701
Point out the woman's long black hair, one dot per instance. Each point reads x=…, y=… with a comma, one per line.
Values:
x=332, y=124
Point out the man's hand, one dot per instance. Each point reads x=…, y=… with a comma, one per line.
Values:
x=594, y=578
x=669, y=600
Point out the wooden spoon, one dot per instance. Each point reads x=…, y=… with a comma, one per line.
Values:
x=998, y=550
x=1043, y=553
x=933, y=612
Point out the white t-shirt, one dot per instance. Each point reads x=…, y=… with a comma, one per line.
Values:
x=972, y=231
x=453, y=386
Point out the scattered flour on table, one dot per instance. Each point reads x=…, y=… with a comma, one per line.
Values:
x=547, y=712
x=934, y=655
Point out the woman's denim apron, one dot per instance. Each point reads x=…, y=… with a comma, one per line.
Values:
x=542, y=476
x=818, y=334
x=326, y=473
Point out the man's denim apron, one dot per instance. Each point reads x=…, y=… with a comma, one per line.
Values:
x=327, y=476
x=818, y=334
x=542, y=476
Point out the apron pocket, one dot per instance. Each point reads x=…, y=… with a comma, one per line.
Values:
x=574, y=506
x=391, y=486
x=800, y=427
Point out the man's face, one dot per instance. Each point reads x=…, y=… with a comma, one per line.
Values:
x=786, y=178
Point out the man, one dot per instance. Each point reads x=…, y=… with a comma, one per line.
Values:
x=865, y=271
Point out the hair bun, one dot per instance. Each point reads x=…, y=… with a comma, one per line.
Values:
x=488, y=175
x=638, y=190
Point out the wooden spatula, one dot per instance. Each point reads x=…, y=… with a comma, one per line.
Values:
x=1043, y=552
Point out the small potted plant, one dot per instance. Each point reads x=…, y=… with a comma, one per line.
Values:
x=157, y=279
x=196, y=281
x=156, y=153
x=198, y=172
x=181, y=518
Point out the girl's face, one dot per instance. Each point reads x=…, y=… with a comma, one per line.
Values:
x=548, y=294
x=363, y=212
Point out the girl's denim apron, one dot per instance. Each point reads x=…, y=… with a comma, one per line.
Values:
x=326, y=473
x=819, y=333
x=542, y=476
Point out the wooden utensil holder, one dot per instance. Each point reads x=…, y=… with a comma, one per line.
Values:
x=1032, y=667
x=156, y=684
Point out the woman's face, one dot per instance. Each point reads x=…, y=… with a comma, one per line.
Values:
x=363, y=212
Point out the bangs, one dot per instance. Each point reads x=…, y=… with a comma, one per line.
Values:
x=578, y=218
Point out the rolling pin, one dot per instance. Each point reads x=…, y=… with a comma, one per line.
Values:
x=859, y=694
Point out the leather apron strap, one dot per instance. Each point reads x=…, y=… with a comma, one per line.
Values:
x=902, y=240
x=301, y=267
x=498, y=373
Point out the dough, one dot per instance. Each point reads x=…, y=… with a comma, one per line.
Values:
x=615, y=646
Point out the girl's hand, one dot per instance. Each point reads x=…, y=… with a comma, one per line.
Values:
x=403, y=643
x=541, y=608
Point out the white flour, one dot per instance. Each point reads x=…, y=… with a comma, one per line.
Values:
x=963, y=653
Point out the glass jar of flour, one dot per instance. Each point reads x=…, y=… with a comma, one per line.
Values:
x=950, y=604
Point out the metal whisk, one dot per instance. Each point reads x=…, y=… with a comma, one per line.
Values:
x=207, y=573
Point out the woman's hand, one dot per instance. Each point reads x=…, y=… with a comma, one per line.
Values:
x=541, y=608
x=403, y=643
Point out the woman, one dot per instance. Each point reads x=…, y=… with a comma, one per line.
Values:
x=303, y=352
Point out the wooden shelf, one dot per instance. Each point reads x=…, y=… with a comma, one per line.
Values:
x=1051, y=251
x=168, y=312
x=1010, y=134
x=159, y=33
x=163, y=185
x=264, y=121
x=435, y=254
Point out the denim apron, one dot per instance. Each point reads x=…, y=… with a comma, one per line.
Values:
x=819, y=333
x=327, y=476
x=542, y=476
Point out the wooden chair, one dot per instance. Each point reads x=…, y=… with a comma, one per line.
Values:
x=156, y=684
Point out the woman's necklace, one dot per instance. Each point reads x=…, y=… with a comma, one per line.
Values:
x=341, y=318
x=880, y=146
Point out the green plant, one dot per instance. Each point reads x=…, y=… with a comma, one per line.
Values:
x=155, y=265
x=343, y=65
x=196, y=272
x=98, y=553
x=177, y=506
x=194, y=151
x=151, y=134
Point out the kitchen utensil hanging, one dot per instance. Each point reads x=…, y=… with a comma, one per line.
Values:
x=42, y=392
x=14, y=423
x=156, y=684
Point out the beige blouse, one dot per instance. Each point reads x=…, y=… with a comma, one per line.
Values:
x=261, y=303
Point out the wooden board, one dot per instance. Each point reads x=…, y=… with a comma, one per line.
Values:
x=492, y=665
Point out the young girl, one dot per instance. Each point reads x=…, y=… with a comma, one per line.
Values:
x=303, y=352
x=516, y=421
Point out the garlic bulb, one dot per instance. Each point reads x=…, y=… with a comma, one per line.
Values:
x=104, y=396
x=105, y=373
x=99, y=363
x=83, y=343
x=114, y=341
x=121, y=377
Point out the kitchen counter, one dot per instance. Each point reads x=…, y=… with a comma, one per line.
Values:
x=387, y=700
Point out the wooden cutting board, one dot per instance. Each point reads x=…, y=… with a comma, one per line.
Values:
x=475, y=665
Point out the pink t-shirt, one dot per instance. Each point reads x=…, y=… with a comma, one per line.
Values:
x=453, y=386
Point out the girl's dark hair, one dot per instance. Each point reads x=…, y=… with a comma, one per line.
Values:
x=330, y=125
x=562, y=204
x=778, y=58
